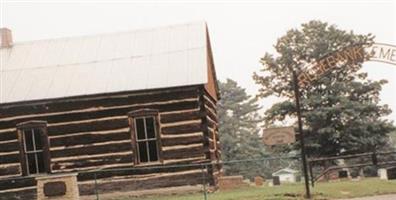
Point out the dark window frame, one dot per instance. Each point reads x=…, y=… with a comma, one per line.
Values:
x=145, y=113
x=31, y=125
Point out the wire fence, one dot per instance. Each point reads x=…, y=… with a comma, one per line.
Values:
x=199, y=180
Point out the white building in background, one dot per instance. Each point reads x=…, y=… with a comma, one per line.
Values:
x=286, y=175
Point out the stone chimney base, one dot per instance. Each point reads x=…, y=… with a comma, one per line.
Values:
x=57, y=187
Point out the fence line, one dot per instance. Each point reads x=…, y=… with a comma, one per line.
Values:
x=262, y=167
x=159, y=166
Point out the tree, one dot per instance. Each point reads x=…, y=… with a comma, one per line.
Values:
x=239, y=129
x=341, y=111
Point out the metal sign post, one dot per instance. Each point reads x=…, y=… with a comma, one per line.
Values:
x=301, y=135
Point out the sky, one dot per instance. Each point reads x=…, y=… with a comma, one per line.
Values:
x=241, y=31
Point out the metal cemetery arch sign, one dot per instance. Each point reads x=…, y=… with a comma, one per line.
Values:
x=353, y=54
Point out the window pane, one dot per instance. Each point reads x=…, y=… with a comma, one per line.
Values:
x=28, y=140
x=143, y=151
x=140, y=129
x=31, y=159
x=40, y=160
x=153, y=150
x=150, y=127
x=37, y=139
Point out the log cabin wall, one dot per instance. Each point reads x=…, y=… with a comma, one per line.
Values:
x=214, y=148
x=93, y=133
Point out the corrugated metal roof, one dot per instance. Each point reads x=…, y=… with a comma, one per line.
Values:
x=126, y=61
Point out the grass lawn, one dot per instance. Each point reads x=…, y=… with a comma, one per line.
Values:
x=324, y=190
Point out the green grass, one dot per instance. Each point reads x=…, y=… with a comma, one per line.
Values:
x=324, y=190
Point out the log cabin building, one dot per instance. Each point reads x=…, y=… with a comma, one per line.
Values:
x=119, y=100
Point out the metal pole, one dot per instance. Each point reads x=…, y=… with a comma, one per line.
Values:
x=311, y=174
x=300, y=130
x=204, y=181
x=96, y=187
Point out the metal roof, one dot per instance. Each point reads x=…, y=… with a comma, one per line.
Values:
x=284, y=171
x=125, y=61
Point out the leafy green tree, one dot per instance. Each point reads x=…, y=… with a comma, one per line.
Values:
x=239, y=129
x=341, y=111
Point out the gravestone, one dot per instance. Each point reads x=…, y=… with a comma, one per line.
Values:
x=391, y=172
x=382, y=173
x=258, y=181
x=276, y=180
x=343, y=174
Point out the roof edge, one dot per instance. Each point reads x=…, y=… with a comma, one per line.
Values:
x=149, y=28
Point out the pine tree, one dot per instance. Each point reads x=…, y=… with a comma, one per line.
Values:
x=239, y=129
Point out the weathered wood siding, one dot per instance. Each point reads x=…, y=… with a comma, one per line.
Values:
x=211, y=118
x=93, y=133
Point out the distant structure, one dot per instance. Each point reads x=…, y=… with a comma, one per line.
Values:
x=286, y=175
x=129, y=99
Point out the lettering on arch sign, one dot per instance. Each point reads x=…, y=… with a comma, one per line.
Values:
x=382, y=53
x=352, y=54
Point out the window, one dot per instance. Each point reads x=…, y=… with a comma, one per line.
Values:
x=145, y=136
x=33, y=141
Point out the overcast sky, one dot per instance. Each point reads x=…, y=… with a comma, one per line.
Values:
x=241, y=32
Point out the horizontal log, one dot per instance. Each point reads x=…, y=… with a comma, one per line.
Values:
x=9, y=158
x=67, y=159
x=133, y=184
x=93, y=168
x=136, y=171
x=180, y=129
x=8, y=147
x=90, y=125
x=8, y=135
x=89, y=138
x=20, y=182
x=91, y=149
x=191, y=160
x=182, y=140
x=183, y=153
x=99, y=162
x=21, y=194
x=179, y=123
x=100, y=156
x=10, y=170
x=182, y=116
x=92, y=144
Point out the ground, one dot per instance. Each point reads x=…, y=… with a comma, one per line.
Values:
x=325, y=190
x=377, y=197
